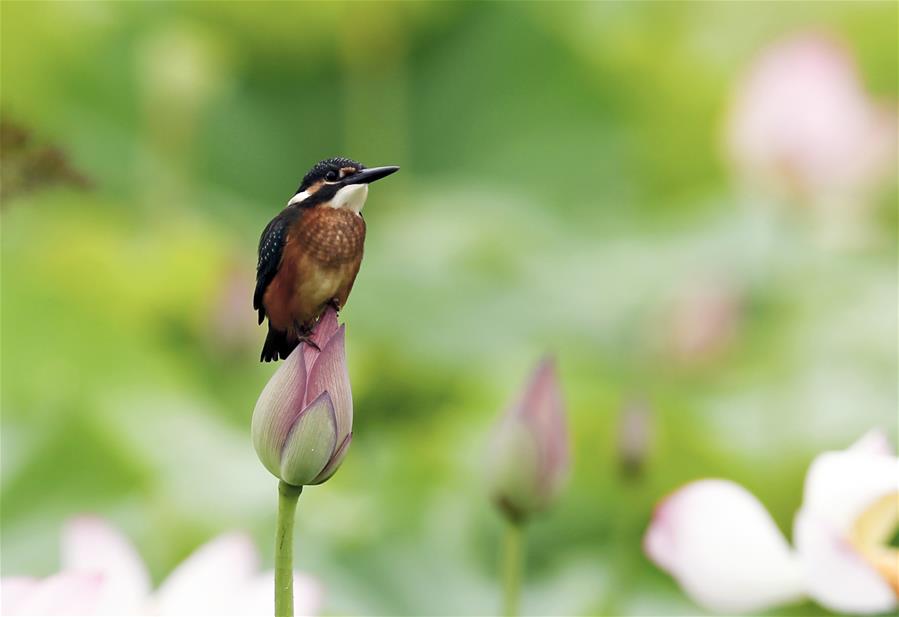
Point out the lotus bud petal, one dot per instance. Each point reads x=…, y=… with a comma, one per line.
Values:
x=529, y=453
x=303, y=419
x=335, y=461
x=311, y=443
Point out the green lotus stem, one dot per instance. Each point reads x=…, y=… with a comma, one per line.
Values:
x=513, y=564
x=287, y=508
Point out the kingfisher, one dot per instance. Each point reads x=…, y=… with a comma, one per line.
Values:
x=309, y=255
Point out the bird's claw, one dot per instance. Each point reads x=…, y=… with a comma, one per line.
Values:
x=307, y=338
x=304, y=335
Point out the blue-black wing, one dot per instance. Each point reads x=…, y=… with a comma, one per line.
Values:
x=271, y=246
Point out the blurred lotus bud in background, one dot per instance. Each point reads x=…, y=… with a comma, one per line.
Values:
x=635, y=437
x=528, y=461
x=803, y=126
x=703, y=321
x=303, y=421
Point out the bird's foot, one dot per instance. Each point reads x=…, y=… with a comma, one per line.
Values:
x=304, y=335
x=307, y=338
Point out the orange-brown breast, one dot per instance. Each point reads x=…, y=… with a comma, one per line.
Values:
x=319, y=262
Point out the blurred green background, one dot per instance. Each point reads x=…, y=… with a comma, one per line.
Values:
x=564, y=189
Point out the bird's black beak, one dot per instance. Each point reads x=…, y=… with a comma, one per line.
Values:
x=367, y=176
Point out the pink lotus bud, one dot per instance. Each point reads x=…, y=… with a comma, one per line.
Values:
x=303, y=421
x=529, y=454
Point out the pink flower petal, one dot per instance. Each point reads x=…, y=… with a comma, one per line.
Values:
x=330, y=374
x=325, y=328
x=66, y=593
x=277, y=409
x=723, y=548
x=90, y=545
x=203, y=584
x=332, y=466
x=322, y=333
x=13, y=590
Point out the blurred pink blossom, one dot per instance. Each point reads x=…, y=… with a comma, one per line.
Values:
x=704, y=320
x=723, y=548
x=802, y=124
x=102, y=574
x=65, y=593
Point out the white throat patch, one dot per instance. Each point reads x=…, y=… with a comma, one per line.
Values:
x=351, y=197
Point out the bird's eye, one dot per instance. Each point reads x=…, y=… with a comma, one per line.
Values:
x=332, y=176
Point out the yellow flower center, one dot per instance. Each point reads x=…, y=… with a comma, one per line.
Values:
x=873, y=534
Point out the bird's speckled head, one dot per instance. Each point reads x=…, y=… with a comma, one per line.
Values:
x=330, y=170
x=338, y=182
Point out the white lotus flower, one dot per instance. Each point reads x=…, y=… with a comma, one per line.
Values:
x=102, y=574
x=723, y=548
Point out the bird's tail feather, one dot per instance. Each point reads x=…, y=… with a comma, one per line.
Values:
x=277, y=344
